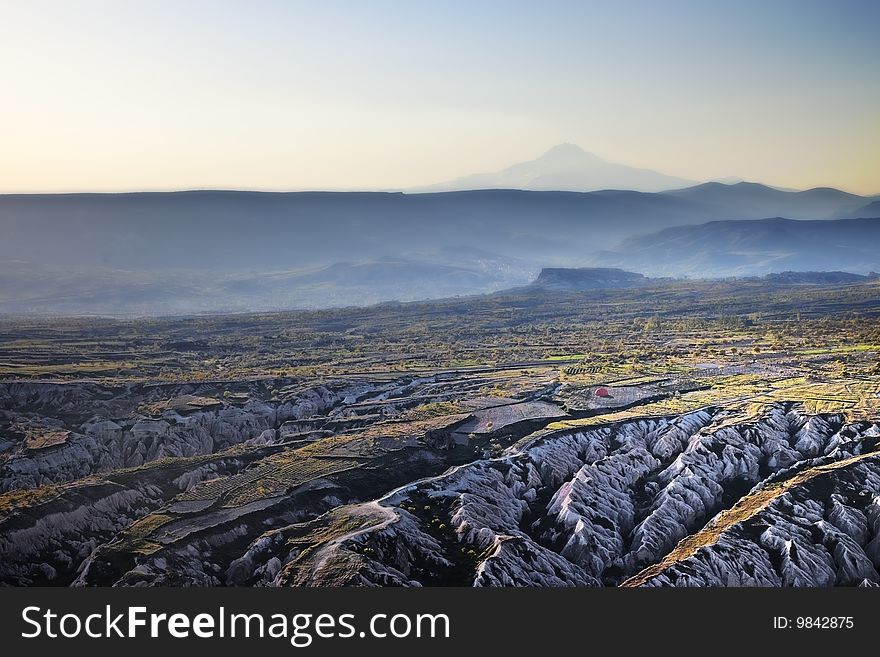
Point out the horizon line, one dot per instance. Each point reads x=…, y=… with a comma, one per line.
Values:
x=418, y=192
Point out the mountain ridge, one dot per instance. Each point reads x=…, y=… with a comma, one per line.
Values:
x=752, y=247
x=164, y=252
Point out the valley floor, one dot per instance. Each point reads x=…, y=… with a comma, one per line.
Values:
x=688, y=434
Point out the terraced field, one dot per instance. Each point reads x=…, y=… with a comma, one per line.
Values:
x=272, y=476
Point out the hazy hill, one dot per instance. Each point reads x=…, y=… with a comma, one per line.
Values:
x=749, y=200
x=248, y=230
x=744, y=248
x=228, y=230
x=178, y=252
x=816, y=278
x=567, y=167
x=870, y=210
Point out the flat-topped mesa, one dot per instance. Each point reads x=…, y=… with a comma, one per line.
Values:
x=587, y=278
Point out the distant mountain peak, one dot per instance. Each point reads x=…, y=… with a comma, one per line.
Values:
x=568, y=152
x=566, y=167
x=564, y=148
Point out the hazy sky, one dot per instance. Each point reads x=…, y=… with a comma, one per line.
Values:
x=310, y=95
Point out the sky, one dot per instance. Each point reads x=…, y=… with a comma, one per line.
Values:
x=184, y=94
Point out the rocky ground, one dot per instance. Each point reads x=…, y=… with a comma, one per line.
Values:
x=141, y=476
x=692, y=435
x=343, y=483
x=599, y=507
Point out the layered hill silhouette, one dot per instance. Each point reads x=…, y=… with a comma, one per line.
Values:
x=745, y=248
x=182, y=252
x=752, y=200
x=230, y=230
